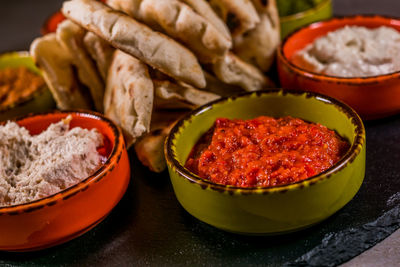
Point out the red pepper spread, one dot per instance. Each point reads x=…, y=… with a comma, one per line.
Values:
x=265, y=151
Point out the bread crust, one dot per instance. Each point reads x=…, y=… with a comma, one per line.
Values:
x=70, y=36
x=56, y=65
x=258, y=46
x=239, y=15
x=232, y=70
x=181, y=22
x=174, y=95
x=136, y=39
x=100, y=51
x=129, y=95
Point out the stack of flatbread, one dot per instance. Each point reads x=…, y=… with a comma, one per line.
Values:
x=144, y=63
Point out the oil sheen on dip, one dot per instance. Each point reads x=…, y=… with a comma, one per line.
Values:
x=352, y=51
x=264, y=151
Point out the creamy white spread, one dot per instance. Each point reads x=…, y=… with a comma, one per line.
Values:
x=353, y=51
x=33, y=167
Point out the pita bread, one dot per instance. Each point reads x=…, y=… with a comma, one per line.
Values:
x=180, y=21
x=220, y=88
x=170, y=95
x=150, y=148
x=232, y=70
x=259, y=45
x=129, y=7
x=239, y=15
x=70, y=36
x=157, y=75
x=134, y=38
x=128, y=99
x=56, y=65
x=204, y=9
x=100, y=51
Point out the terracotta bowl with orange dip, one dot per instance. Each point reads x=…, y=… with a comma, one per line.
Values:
x=279, y=206
x=372, y=97
x=73, y=211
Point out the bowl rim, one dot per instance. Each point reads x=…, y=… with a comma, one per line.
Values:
x=350, y=155
x=305, y=13
x=23, y=100
x=331, y=78
x=81, y=186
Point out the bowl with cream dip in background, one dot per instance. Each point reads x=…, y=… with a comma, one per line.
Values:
x=364, y=72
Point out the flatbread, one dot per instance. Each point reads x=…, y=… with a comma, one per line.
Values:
x=129, y=7
x=56, y=65
x=181, y=22
x=150, y=148
x=232, y=70
x=214, y=85
x=100, y=51
x=136, y=39
x=70, y=36
x=172, y=95
x=258, y=46
x=129, y=95
x=239, y=15
x=203, y=8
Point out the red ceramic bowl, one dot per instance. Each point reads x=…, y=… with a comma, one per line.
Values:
x=58, y=218
x=372, y=97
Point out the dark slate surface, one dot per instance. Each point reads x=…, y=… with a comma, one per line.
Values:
x=148, y=226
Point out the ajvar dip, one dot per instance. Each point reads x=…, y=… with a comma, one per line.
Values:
x=264, y=151
x=17, y=84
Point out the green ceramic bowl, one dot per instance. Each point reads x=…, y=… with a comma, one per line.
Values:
x=277, y=209
x=40, y=101
x=321, y=11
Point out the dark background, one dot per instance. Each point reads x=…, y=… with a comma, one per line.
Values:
x=149, y=227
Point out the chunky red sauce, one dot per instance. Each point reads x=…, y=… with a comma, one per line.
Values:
x=265, y=151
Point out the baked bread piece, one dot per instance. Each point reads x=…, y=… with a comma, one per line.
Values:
x=128, y=99
x=56, y=65
x=239, y=15
x=258, y=46
x=179, y=21
x=173, y=95
x=232, y=70
x=70, y=36
x=136, y=39
x=172, y=100
x=214, y=85
x=100, y=51
x=203, y=8
x=150, y=148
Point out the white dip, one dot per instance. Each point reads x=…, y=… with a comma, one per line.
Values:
x=33, y=167
x=353, y=51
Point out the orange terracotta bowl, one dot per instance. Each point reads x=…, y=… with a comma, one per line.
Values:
x=58, y=218
x=372, y=97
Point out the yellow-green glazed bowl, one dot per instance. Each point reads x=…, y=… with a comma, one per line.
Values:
x=40, y=101
x=321, y=11
x=272, y=210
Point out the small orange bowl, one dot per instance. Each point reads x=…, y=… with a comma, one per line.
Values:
x=63, y=216
x=372, y=97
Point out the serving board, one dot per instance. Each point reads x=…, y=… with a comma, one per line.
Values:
x=149, y=227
